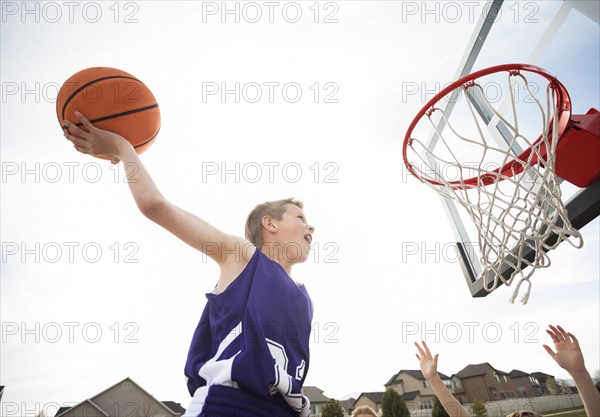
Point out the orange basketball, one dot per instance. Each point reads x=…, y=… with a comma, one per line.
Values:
x=112, y=100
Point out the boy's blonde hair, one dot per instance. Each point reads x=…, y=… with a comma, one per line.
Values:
x=275, y=209
x=364, y=410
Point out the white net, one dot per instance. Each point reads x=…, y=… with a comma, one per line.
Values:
x=516, y=206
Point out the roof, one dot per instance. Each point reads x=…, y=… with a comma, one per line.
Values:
x=314, y=394
x=171, y=405
x=90, y=401
x=540, y=375
x=415, y=373
x=470, y=371
x=515, y=373
x=479, y=369
x=175, y=407
x=409, y=396
x=348, y=404
x=376, y=397
x=61, y=410
x=391, y=380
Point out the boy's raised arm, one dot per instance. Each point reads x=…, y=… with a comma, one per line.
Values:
x=428, y=364
x=568, y=356
x=186, y=226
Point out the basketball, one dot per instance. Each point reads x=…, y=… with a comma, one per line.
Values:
x=112, y=100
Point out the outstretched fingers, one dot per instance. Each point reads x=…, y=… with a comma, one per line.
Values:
x=567, y=336
x=550, y=351
x=563, y=333
x=555, y=334
x=558, y=334
x=427, y=361
x=425, y=354
x=427, y=351
x=567, y=352
x=574, y=340
x=423, y=351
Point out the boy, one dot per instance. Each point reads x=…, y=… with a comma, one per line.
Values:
x=249, y=354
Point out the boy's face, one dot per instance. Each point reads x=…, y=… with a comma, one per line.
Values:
x=294, y=234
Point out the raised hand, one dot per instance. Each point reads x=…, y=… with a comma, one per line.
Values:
x=94, y=141
x=569, y=357
x=427, y=363
x=568, y=353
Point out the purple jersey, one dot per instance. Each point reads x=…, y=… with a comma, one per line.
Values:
x=254, y=337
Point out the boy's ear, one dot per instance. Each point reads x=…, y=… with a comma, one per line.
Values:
x=268, y=224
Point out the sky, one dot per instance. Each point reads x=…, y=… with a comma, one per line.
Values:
x=93, y=292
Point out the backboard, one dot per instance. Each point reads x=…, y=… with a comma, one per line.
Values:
x=563, y=38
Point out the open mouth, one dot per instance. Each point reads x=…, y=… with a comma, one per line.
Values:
x=308, y=238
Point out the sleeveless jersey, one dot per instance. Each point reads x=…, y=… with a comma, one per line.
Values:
x=254, y=337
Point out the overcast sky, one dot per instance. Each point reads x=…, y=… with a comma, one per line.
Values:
x=93, y=292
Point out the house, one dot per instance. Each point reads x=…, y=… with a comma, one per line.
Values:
x=548, y=385
x=525, y=384
x=415, y=389
x=125, y=398
x=415, y=401
x=484, y=382
x=459, y=392
x=348, y=405
x=317, y=400
x=372, y=399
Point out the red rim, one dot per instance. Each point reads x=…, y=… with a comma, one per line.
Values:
x=512, y=167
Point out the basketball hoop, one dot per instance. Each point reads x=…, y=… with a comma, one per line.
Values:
x=505, y=170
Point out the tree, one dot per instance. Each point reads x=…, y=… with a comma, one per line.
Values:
x=478, y=408
x=438, y=410
x=393, y=405
x=332, y=409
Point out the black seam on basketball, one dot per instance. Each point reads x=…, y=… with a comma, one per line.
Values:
x=90, y=83
x=112, y=116
x=149, y=140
